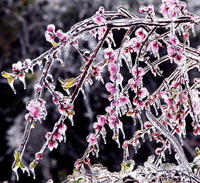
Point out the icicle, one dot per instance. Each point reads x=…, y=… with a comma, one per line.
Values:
x=16, y=172
x=134, y=121
x=141, y=122
x=25, y=169
x=104, y=137
x=83, y=92
x=12, y=87
x=128, y=62
x=97, y=151
x=119, y=111
x=22, y=79
x=135, y=149
x=33, y=172
x=101, y=79
x=89, y=80
x=116, y=137
x=155, y=108
x=158, y=104
x=70, y=117
x=193, y=30
x=149, y=135
x=143, y=138
x=181, y=140
x=124, y=110
x=125, y=154
x=112, y=39
x=64, y=137
x=163, y=157
x=179, y=31
x=130, y=108
x=122, y=130
x=173, y=27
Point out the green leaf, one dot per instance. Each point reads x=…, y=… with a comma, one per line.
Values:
x=79, y=179
x=17, y=156
x=194, y=167
x=21, y=165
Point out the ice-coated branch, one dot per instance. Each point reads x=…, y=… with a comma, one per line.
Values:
x=141, y=52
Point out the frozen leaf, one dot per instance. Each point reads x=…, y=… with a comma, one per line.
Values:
x=10, y=78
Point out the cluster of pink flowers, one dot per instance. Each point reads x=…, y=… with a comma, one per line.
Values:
x=172, y=8
x=149, y=10
x=20, y=68
x=58, y=136
x=136, y=84
x=135, y=43
x=99, y=18
x=63, y=103
x=51, y=34
x=37, y=109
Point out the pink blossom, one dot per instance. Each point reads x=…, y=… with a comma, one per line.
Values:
x=112, y=68
x=163, y=95
x=142, y=92
x=59, y=33
x=92, y=139
x=37, y=109
x=158, y=150
x=96, y=72
x=110, y=87
x=109, y=110
x=16, y=68
x=173, y=39
x=172, y=13
x=195, y=101
x=154, y=47
x=62, y=128
x=39, y=155
x=141, y=34
x=51, y=28
x=176, y=53
x=113, y=121
x=139, y=71
x=164, y=9
x=97, y=127
x=182, y=5
x=143, y=9
x=138, y=103
x=99, y=19
x=48, y=135
x=169, y=101
x=27, y=64
x=123, y=99
x=150, y=8
x=117, y=77
x=172, y=2
x=147, y=125
x=101, y=119
x=37, y=87
x=57, y=136
x=110, y=54
x=134, y=83
x=52, y=144
x=65, y=37
x=49, y=36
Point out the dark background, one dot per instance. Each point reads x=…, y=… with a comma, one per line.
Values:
x=22, y=27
